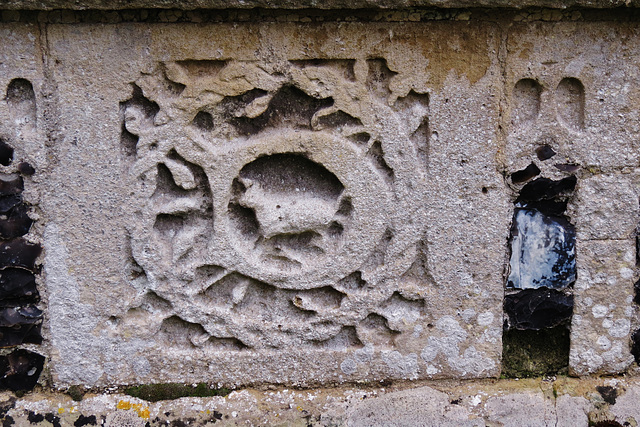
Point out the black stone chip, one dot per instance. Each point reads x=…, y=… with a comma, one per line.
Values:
x=20, y=370
x=20, y=325
x=17, y=222
x=19, y=253
x=17, y=284
x=535, y=309
x=11, y=184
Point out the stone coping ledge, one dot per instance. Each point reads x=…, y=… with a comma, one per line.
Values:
x=558, y=402
x=307, y=4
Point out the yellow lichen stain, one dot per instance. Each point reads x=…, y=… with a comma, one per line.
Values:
x=60, y=410
x=142, y=411
x=123, y=404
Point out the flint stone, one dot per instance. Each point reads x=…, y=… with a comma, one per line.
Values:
x=542, y=251
x=20, y=325
x=17, y=284
x=20, y=370
x=535, y=309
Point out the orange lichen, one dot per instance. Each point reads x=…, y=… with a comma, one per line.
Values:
x=142, y=411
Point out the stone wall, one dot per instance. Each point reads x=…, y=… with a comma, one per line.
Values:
x=312, y=197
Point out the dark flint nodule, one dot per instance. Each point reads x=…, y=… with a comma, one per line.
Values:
x=26, y=169
x=608, y=393
x=20, y=370
x=542, y=251
x=11, y=184
x=535, y=309
x=17, y=284
x=8, y=202
x=545, y=152
x=525, y=174
x=17, y=222
x=19, y=253
x=567, y=167
x=20, y=325
x=635, y=346
x=6, y=153
x=546, y=189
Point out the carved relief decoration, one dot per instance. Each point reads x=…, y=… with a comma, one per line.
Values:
x=275, y=202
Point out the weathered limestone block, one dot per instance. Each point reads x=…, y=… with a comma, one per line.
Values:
x=606, y=206
x=275, y=203
x=305, y=4
x=569, y=86
x=604, y=311
x=23, y=97
x=572, y=114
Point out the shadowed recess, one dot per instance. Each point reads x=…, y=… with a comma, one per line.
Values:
x=20, y=370
x=21, y=100
x=171, y=391
x=290, y=107
x=378, y=78
x=346, y=66
x=535, y=353
x=525, y=101
x=570, y=99
x=292, y=173
x=129, y=141
x=376, y=154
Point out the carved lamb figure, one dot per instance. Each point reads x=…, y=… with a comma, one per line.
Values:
x=287, y=213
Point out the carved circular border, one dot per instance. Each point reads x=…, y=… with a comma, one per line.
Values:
x=364, y=185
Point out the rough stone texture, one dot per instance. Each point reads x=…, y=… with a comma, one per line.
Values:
x=287, y=219
x=563, y=97
x=304, y=4
x=417, y=407
x=522, y=409
x=474, y=403
x=293, y=203
x=603, y=312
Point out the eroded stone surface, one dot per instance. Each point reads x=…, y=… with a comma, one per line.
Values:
x=303, y=4
x=548, y=402
x=288, y=205
x=292, y=203
x=562, y=98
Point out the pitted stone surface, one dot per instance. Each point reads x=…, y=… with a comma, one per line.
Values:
x=319, y=203
x=283, y=209
x=305, y=4
x=529, y=402
x=563, y=99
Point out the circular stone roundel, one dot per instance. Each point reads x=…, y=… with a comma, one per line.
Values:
x=299, y=209
x=278, y=189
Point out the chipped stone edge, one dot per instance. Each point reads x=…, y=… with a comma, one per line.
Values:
x=308, y=4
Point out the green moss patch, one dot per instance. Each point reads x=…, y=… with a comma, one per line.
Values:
x=157, y=392
x=535, y=353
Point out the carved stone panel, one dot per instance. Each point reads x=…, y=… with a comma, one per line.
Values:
x=272, y=205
